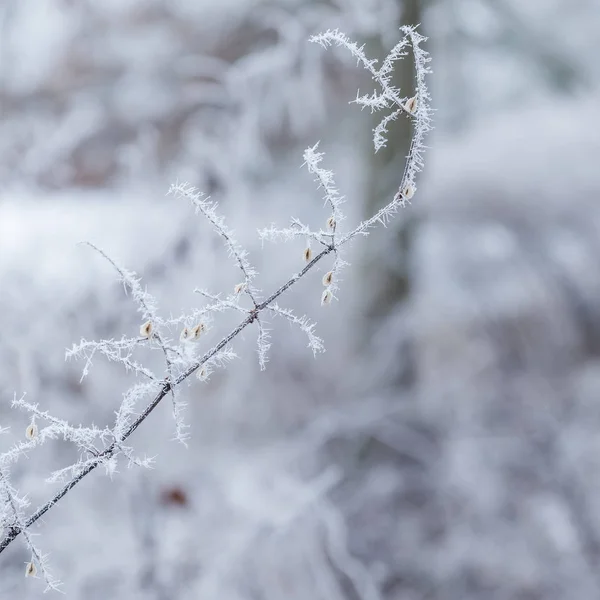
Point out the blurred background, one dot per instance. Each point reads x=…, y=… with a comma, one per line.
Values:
x=446, y=446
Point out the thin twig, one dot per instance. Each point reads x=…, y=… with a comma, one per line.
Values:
x=413, y=165
x=165, y=390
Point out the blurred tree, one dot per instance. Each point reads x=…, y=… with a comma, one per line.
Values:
x=388, y=285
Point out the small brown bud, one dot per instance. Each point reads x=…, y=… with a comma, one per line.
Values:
x=30, y=569
x=411, y=105
x=202, y=374
x=328, y=278
x=326, y=298
x=239, y=288
x=408, y=192
x=307, y=254
x=174, y=496
x=197, y=331
x=331, y=223
x=31, y=431
x=146, y=329
x=185, y=334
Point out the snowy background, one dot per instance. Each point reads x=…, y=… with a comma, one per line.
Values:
x=447, y=444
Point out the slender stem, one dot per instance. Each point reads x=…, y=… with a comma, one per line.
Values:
x=167, y=387
x=411, y=166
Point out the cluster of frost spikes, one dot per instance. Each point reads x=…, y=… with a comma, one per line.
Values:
x=179, y=339
x=415, y=105
x=13, y=518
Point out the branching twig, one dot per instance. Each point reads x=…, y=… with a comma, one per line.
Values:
x=164, y=390
x=182, y=362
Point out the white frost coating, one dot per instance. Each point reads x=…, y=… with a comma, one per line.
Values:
x=13, y=515
x=391, y=96
x=315, y=343
x=104, y=447
x=148, y=307
x=264, y=345
x=324, y=178
x=209, y=210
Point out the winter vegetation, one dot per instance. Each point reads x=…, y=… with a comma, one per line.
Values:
x=179, y=339
x=445, y=445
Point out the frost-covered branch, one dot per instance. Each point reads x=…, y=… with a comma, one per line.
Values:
x=119, y=351
x=15, y=520
x=312, y=159
x=209, y=211
x=296, y=230
x=84, y=438
x=414, y=106
x=151, y=329
x=315, y=343
x=180, y=338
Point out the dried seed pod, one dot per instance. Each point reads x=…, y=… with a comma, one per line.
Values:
x=328, y=278
x=326, y=297
x=146, y=329
x=30, y=569
x=197, y=331
x=408, y=192
x=31, y=431
x=185, y=334
x=307, y=254
x=239, y=288
x=331, y=223
x=411, y=105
